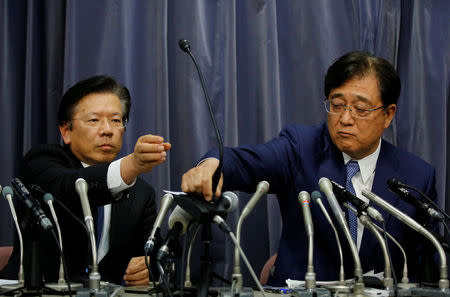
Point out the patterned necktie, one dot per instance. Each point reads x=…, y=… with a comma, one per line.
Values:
x=352, y=168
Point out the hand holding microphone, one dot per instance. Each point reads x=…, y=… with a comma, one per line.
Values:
x=199, y=179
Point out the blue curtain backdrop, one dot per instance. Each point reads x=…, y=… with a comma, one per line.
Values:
x=263, y=60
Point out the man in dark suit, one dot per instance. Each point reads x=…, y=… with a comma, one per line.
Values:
x=361, y=99
x=92, y=118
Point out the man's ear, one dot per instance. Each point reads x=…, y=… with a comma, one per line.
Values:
x=66, y=131
x=389, y=114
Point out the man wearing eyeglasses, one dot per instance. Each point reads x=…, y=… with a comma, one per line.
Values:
x=361, y=99
x=92, y=119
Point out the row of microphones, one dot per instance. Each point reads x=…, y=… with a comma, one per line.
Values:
x=40, y=219
x=335, y=192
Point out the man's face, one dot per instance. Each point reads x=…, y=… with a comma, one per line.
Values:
x=92, y=145
x=358, y=137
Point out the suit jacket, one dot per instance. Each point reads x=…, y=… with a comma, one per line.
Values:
x=56, y=169
x=294, y=162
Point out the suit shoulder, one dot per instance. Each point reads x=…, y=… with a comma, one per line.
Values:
x=144, y=187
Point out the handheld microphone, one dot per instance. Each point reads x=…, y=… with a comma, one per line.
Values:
x=326, y=187
x=443, y=282
x=31, y=203
x=186, y=47
x=317, y=198
x=310, y=277
x=344, y=195
x=166, y=202
x=398, y=188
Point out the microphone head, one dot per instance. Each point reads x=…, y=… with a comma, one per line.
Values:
x=48, y=197
x=315, y=196
x=263, y=186
x=325, y=185
x=394, y=183
x=80, y=185
x=184, y=45
x=181, y=216
x=232, y=200
x=303, y=197
x=7, y=191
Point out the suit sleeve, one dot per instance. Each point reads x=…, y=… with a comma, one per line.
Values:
x=275, y=161
x=56, y=172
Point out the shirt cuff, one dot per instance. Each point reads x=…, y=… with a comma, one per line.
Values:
x=114, y=179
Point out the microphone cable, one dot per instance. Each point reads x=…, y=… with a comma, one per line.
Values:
x=186, y=47
x=426, y=198
x=66, y=273
x=164, y=283
x=148, y=268
x=224, y=227
x=394, y=276
x=188, y=260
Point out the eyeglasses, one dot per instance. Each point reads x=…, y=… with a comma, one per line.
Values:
x=338, y=107
x=95, y=122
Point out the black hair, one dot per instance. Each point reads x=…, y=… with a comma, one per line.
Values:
x=358, y=64
x=95, y=84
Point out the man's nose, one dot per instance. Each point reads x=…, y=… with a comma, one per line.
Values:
x=347, y=116
x=105, y=126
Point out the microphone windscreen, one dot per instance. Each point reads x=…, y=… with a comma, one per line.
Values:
x=48, y=197
x=316, y=195
x=181, y=216
x=7, y=190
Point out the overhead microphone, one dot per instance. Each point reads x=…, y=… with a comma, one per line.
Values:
x=31, y=203
x=398, y=188
x=344, y=195
x=185, y=47
x=407, y=220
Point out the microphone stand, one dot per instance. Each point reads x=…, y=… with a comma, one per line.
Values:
x=95, y=288
x=388, y=281
x=7, y=193
x=443, y=282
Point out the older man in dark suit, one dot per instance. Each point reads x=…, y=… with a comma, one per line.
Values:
x=361, y=93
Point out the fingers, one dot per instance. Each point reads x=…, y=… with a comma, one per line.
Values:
x=149, y=151
x=137, y=273
x=199, y=179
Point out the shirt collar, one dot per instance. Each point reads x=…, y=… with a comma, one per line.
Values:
x=367, y=164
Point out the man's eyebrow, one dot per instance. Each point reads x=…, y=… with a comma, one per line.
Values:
x=359, y=97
